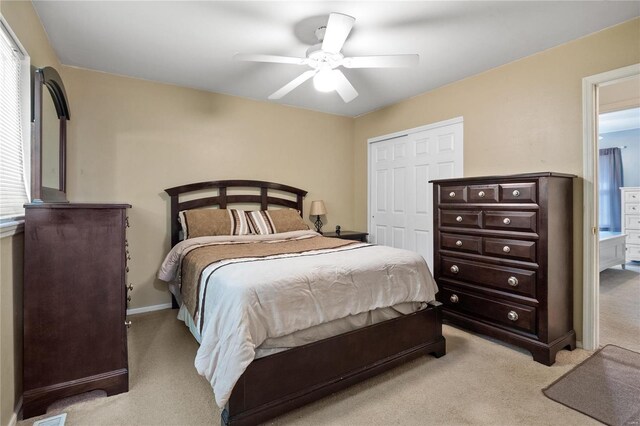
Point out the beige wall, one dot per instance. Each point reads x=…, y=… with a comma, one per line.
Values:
x=525, y=116
x=26, y=25
x=130, y=139
x=11, y=255
x=621, y=95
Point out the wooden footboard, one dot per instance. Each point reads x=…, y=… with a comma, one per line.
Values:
x=281, y=382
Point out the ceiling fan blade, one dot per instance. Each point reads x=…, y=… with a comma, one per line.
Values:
x=382, y=61
x=338, y=28
x=346, y=91
x=269, y=58
x=292, y=84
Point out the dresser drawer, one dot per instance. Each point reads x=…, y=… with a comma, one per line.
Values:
x=460, y=218
x=512, y=221
x=633, y=252
x=518, y=192
x=495, y=310
x=511, y=249
x=632, y=196
x=632, y=208
x=633, y=237
x=482, y=194
x=453, y=194
x=632, y=221
x=463, y=243
x=514, y=280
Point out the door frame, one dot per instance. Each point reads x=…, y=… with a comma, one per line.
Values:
x=590, y=240
x=371, y=141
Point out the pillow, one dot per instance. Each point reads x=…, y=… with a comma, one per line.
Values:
x=265, y=222
x=212, y=222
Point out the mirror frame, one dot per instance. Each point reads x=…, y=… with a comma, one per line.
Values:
x=49, y=77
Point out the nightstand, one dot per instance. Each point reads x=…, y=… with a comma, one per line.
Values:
x=348, y=235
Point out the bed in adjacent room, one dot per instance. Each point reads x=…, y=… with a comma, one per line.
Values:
x=284, y=315
x=612, y=249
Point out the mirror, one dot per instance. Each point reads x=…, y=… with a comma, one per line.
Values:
x=50, y=112
x=50, y=144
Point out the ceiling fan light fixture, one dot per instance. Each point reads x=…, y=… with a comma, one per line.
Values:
x=325, y=60
x=325, y=80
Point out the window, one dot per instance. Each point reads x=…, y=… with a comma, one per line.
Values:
x=14, y=125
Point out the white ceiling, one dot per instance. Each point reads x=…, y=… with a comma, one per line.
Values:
x=192, y=43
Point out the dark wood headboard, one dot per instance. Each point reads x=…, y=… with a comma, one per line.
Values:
x=223, y=199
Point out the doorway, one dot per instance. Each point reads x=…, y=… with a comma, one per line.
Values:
x=592, y=260
x=400, y=199
x=619, y=213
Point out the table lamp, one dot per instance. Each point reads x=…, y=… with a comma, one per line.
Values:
x=318, y=209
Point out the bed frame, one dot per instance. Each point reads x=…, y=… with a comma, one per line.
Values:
x=612, y=249
x=278, y=383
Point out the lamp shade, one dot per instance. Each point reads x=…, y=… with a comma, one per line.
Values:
x=318, y=208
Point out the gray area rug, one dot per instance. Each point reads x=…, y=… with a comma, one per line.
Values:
x=606, y=386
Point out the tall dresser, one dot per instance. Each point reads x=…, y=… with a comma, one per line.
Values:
x=75, y=338
x=630, y=211
x=503, y=258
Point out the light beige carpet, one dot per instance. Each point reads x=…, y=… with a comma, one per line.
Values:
x=620, y=306
x=479, y=381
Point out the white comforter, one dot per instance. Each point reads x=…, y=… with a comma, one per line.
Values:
x=248, y=301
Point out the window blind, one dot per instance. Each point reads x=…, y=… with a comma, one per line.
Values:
x=13, y=189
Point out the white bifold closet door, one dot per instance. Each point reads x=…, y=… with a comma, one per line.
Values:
x=400, y=195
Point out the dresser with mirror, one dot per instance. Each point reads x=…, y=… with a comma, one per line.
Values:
x=75, y=271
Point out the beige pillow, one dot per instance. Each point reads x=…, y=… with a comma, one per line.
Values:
x=213, y=222
x=265, y=222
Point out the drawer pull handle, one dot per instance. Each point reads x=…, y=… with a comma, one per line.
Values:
x=127, y=221
x=127, y=269
x=455, y=269
x=128, y=298
x=512, y=315
x=130, y=288
x=126, y=243
x=454, y=298
x=513, y=281
x=506, y=249
x=452, y=194
x=516, y=193
x=459, y=243
x=506, y=221
x=459, y=219
x=128, y=324
x=481, y=194
x=128, y=256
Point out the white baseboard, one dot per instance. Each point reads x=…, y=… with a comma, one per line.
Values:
x=14, y=417
x=148, y=309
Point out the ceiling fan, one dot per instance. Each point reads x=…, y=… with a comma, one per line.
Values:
x=325, y=58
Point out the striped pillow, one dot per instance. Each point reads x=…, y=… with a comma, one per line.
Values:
x=260, y=222
x=239, y=223
x=213, y=222
x=265, y=222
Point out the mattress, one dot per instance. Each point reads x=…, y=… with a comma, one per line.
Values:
x=318, y=332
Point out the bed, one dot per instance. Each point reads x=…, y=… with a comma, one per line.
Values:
x=254, y=382
x=612, y=249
